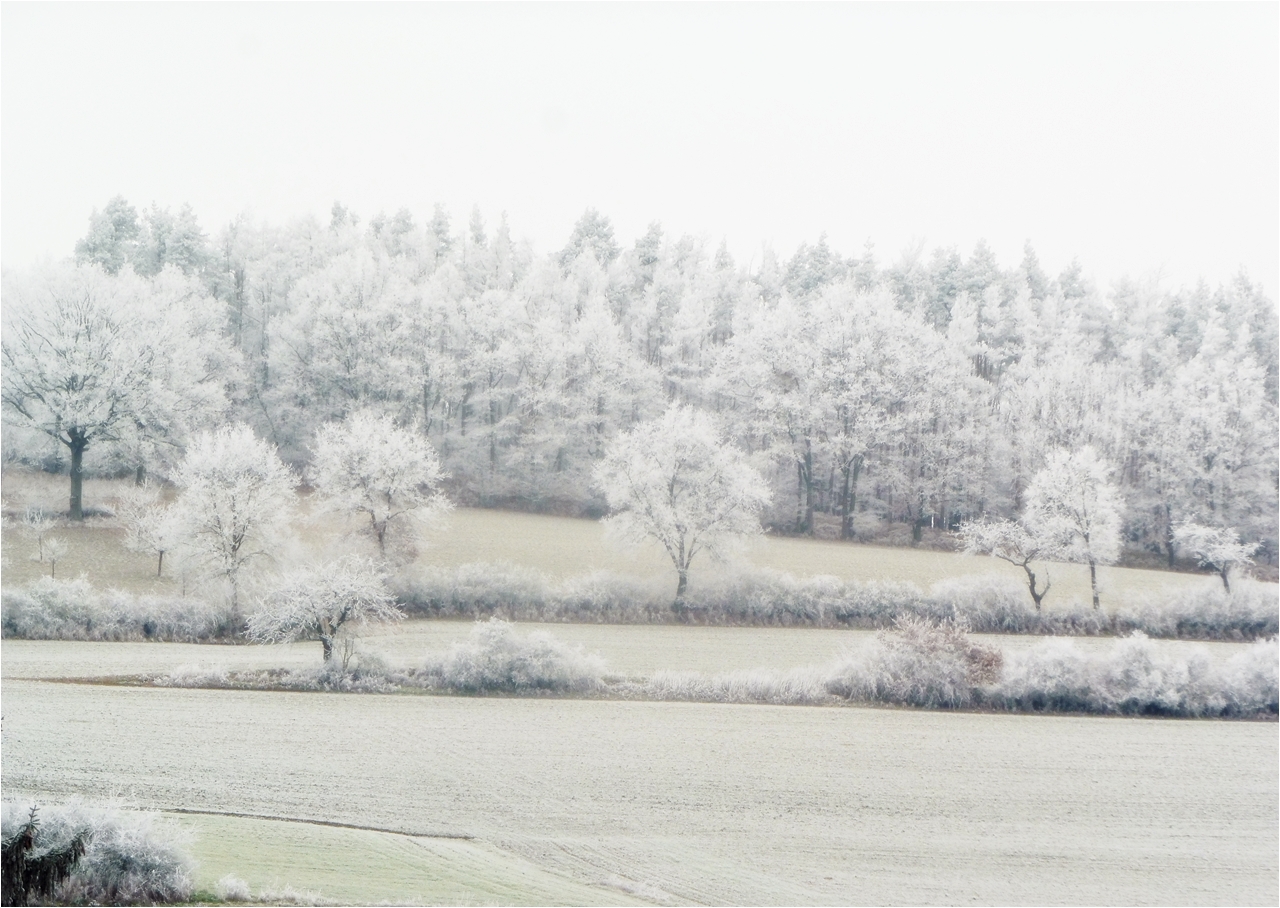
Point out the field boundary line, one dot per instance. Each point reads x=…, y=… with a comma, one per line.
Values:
x=259, y=816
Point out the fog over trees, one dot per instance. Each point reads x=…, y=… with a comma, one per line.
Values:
x=880, y=398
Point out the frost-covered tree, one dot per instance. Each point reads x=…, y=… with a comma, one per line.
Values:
x=1010, y=541
x=77, y=364
x=385, y=475
x=54, y=551
x=673, y=480
x=36, y=525
x=1073, y=503
x=236, y=501
x=91, y=359
x=321, y=602
x=1217, y=548
x=151, y=527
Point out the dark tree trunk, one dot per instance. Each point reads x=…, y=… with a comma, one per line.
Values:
x=78, y=444
x=1226, y=584
x=327, y=644
x=160, y=565
x=849, y=496
x=1093, y=581
x=140, y=477
x=804, y=493
x=1037, y=596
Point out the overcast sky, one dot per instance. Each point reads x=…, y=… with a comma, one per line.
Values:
x=1143, y=138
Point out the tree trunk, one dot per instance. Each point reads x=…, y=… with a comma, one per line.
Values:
x=1093, y=581
x=160, y=564
x=1168, y=534
x=1226, y=584
x=78, y=444
x=327, y=643
x=849, y=496
x=681, y=585
x=804, y=492
x=140, y=477
x=1037, y=596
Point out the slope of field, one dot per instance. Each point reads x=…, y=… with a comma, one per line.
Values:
x=563, y=547
x=685, y=803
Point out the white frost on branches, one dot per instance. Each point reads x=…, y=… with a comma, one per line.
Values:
x=1010, y=541
x=1072, y=502
x=236, y=500
x=151, y=527
x=1217, y=548
x=369, y=467
x=322, y=601
x=675, y=481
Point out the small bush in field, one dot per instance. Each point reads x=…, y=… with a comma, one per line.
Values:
x=496, y=658
x=232, y=889
x=130, y=857
x=919, y=663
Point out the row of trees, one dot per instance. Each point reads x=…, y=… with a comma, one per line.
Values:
x=926, y=392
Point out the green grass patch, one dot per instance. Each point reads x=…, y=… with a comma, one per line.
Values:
x=362, y=867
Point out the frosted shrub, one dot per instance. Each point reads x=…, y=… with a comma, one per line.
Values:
x=1251, y=679
x=1206, y=612
x=130, y=857
x=478, y=589
x=991, y=602
x=1138, y=677
x=604, y=597
x=50, y=609
x=1054, y=675
x=232, y=889
x=918, y=663
x=495, y=658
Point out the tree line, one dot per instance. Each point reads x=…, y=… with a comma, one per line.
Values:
x=875, y=399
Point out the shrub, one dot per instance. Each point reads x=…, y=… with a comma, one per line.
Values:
x=1139, y=678
x=918, y=663
x=1206, y=612
x=495, y=658
x=232, y=889
x=50, y=609
x=130, y=857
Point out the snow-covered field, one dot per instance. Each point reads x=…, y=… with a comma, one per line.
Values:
x=589, y=801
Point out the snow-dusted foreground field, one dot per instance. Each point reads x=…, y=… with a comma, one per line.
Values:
x=581, y=801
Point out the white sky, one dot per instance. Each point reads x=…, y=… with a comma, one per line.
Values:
x=1143, y=138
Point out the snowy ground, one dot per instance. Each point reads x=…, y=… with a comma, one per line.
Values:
x=586, y=801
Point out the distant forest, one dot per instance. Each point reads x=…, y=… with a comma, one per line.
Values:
x=884, y=401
